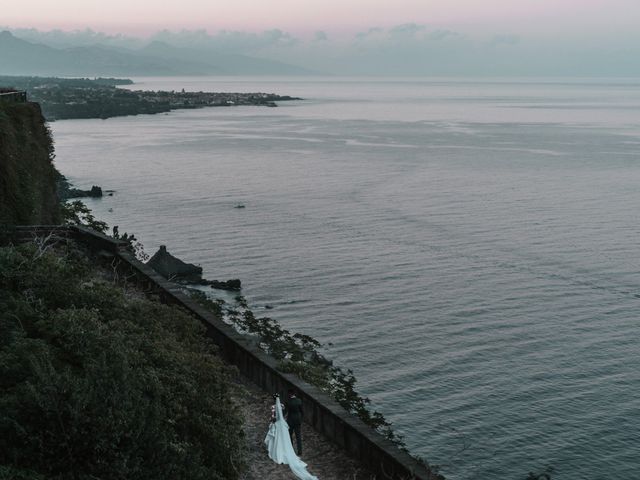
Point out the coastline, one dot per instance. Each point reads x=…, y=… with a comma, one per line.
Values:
x=326, y=415
x=83, y=98
x=308, y=246
x=295, y=356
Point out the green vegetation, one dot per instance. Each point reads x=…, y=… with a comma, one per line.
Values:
x=30, y=186
x=98, y=382
x=27, y=175
x=62, y=98
x=29, y=83
x=77, y=213
x=298, y=354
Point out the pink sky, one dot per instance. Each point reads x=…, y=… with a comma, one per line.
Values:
x=305, y=16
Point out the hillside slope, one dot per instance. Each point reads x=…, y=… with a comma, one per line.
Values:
x=99, y=382
x=27, y=175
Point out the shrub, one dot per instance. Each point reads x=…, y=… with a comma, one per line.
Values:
x=97, y=384
x=298, y=354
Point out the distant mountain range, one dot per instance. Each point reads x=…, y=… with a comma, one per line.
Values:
x=19, y=57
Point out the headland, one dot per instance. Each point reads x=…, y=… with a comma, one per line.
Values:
x=69, y=98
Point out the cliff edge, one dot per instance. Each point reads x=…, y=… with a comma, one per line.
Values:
x=27, y=175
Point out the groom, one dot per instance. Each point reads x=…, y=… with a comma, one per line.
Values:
x=294, y=418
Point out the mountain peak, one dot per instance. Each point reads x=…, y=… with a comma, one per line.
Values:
x=22, y=57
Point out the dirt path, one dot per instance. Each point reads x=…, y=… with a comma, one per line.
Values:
x=324, y=460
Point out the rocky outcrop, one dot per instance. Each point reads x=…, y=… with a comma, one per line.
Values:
x=67, y=191
x=27, y=174
x=232, y=285
x=173, y=268
x=95, y=192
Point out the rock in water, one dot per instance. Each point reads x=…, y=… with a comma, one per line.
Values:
x=173, y=268
x=233, y=285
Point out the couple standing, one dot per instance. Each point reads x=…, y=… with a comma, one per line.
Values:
x=278, y=439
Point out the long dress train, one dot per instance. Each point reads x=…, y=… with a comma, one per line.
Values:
x=279, y=446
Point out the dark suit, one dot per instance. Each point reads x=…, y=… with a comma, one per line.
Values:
x=294, y=420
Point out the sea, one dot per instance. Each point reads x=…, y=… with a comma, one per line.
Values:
x=470, y=248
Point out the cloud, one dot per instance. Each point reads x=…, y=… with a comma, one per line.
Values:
x=405, y=49
x=230, y=41
x=75, y=38
x=505, y=40
x=372, y=32
x=444, y=35
x=320, y=36
x=406, y=34
x=407, y=30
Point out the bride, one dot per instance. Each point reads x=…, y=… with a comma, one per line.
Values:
x=279, y=446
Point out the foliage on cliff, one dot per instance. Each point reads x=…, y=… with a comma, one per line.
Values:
x=298, y=354
x=27, y=174
x=96, y=382
x=77, y=213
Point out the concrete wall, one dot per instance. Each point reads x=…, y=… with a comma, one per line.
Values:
x=13, y=97
x=321, y=412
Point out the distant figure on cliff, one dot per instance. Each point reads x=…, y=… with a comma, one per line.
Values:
x=293, y=408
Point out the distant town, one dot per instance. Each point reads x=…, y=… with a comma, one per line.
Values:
x=63, y=98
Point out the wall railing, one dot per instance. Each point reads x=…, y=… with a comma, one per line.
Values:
x=15, y=96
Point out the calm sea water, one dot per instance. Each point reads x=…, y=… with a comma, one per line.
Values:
x=471, y=249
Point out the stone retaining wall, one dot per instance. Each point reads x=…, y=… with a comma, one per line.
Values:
x=13, y=97
x=321, y=412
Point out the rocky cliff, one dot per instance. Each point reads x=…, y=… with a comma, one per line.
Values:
x=27, y=175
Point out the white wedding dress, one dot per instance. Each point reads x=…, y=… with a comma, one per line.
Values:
x=279, y=446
